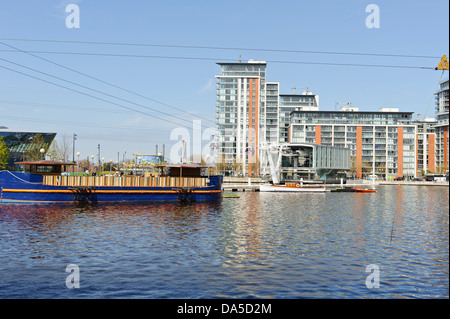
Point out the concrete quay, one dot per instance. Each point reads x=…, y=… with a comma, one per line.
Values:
x=241, y=184
x=414, y=183
x=241, y=188
x=245, y=184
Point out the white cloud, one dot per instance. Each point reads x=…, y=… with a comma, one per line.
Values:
x=207, y=86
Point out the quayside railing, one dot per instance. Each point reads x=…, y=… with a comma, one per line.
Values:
x=124, y=181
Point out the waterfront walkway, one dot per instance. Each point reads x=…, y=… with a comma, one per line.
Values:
x=242, y=184
x=412, y=183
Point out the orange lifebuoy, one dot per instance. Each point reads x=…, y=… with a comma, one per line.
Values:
x=298, y=185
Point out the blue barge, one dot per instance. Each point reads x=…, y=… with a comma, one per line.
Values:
x=42, y=182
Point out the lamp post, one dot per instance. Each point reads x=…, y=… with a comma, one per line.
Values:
x=78, y=161
x=73, y=151
x=42, y=152
x=92, y=171
x=123, y=159
x=183, y=151
x=99, y=167
x=159, y=158
x=138, y=165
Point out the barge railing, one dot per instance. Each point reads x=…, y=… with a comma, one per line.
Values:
x=124, y=181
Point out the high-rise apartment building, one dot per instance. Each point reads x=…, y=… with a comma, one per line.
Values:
x=272, y=113
x=425, y=147
x=441, y=128
x=251, y=114
x=241, y=116
x=294, y=102
x=381, y=143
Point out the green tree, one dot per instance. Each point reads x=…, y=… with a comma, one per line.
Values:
x=4, y=156
x=34, y=151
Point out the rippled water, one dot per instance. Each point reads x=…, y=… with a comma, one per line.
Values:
x=262, y=245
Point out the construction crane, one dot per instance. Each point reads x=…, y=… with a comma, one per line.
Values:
x=443, y=64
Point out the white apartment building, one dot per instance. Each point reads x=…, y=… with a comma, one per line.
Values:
x=294, y=102
x=241, y=117
x=441, y=127
x=251, y=115
x=381, y=143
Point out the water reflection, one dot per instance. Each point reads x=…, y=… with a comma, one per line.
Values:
x=260, y=245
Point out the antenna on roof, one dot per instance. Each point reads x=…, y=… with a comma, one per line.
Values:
x=239, y=60
x=339, y=103
x=295, y=90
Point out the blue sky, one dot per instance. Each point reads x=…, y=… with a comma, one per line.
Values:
x=413, y=28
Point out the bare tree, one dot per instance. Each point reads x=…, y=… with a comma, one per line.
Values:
x=66, y=147
x=61, y=150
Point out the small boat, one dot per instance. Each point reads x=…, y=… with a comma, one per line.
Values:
x=343, y=190
x=365, y=190
x=291, y=187
x=43, y=182
x=353, y=190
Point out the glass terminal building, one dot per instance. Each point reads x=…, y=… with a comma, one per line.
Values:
x=18, y=143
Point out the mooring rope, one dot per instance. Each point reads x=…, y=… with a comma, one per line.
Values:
x=20, y=178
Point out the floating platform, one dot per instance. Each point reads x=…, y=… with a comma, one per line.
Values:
x=291, y=187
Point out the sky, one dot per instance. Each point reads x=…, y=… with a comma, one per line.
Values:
x=134, y=75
